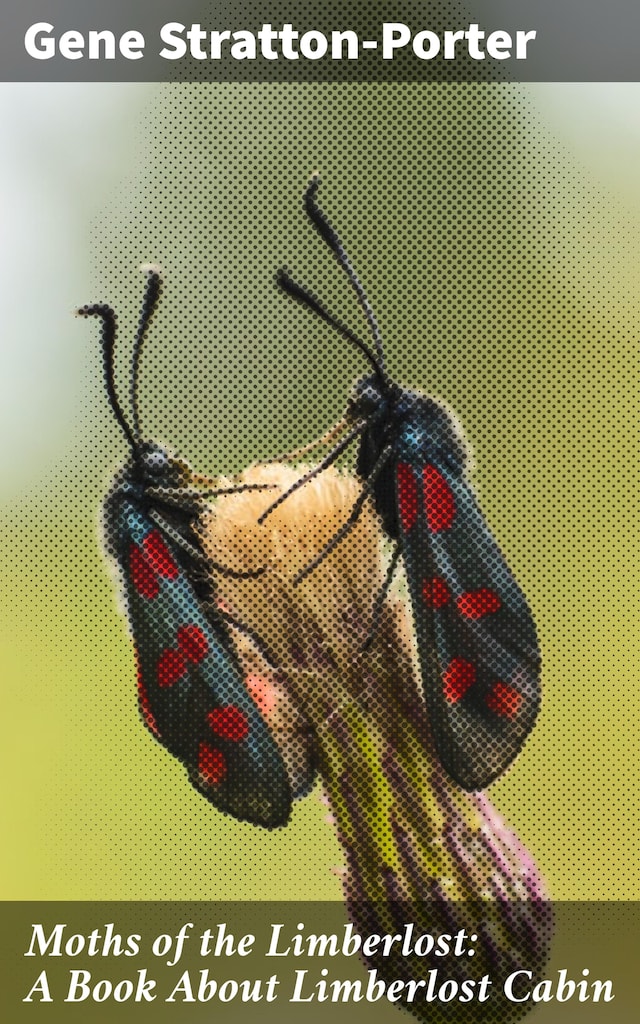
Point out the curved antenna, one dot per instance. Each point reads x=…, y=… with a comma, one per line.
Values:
x=149, y=306
x=307, y=298
x=322, y=224
x=108, y=338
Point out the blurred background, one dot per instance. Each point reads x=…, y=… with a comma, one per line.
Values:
x=497, y=231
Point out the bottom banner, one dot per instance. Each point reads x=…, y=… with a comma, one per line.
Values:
x=277, y=961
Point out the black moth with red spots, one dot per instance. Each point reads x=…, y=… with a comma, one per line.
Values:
x=191, y=692
x=477, y=645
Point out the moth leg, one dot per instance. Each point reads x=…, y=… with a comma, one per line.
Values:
x=332, y=457
x=215, y=492
x=238, y=489
x=179, y=498
x=367, y=491
x=235, y=574
x=185, y=499
x=230, y=619
x=194, y=553
x=382, y=593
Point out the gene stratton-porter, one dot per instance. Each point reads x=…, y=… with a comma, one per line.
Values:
x=41, y=42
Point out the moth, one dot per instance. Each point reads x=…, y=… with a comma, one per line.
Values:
x=476, y=639
x=191, y=691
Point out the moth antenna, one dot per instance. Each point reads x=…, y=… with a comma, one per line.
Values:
x=149, y=306
x=308, y=299
x=108, y=338
x=322, y=224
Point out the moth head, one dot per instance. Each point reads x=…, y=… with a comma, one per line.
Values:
x=366, y=399
x=156, y=466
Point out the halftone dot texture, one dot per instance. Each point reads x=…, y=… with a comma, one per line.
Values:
x=416, y=847
x=506, y=286
x=191, y=692
x=479, y=657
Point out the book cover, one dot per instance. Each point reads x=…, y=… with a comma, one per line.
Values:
x=273, y=744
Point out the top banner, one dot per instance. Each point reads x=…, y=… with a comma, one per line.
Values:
x=303, y=41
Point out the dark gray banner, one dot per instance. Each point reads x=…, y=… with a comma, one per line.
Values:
x=383, y=40
x=151, y=962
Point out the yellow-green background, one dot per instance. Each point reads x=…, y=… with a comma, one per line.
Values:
x=496, y=229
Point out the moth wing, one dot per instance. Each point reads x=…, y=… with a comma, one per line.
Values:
x=478, y=649
x=191, y=691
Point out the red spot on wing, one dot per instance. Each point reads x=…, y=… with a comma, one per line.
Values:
x=142, y=576
x=193, y=643
x=171, y=667
x=504, y=700
x=230, y=723
x=143, y=701
x=407, y=496
x=478, y=603
x=440, y=506
x=212, y=765
x=435, y=592
x=458, y=679
x=150, y=561
x=159, y=556
x=192, y=647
